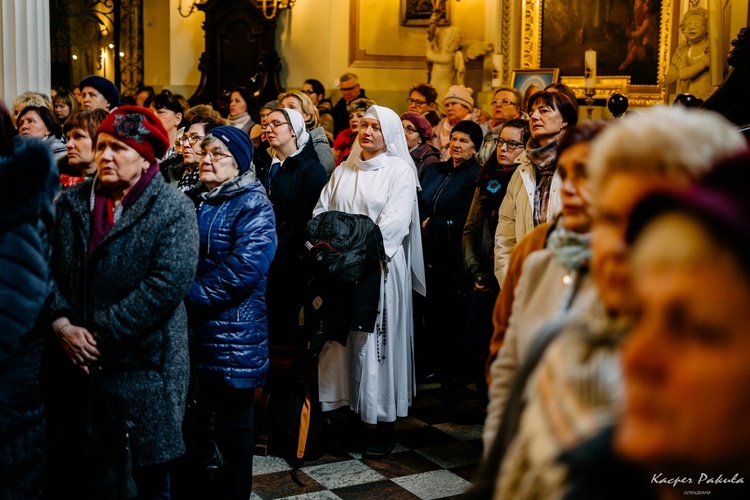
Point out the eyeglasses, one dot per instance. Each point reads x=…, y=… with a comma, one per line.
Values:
x=189, y=139
x=274, y=124
x=504, y=102
x=214, y=155
x=308, y=92
x=410, y=130
x=348, y=89
x=512, y=145
x=409, y=100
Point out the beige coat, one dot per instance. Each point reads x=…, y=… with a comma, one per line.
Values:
x=516, y=212
x=539, y=296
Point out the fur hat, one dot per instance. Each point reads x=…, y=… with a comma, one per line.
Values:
x=139, y=128
x=420, y=123
x=106, y=88
x=461, y=95
x=238, y=143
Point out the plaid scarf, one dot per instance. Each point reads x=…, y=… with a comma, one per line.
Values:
x=543, y=158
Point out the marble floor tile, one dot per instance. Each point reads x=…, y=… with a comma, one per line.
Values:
x=466, y=471
x=423, y=400
x=342, y=474
x=269, y=465
x=397, y=449
x=435, y=414
x=281, y=485
x=316, y=495
x=451, y=455
x=462, y=432
x=377, y=490
x=465, y=405
x=409, y=423
x=435, y=484
x=422, y=437
x=401, y=464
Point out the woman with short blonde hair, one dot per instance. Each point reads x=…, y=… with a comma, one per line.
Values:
x=299, y=102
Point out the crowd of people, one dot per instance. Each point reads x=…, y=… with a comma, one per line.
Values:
x=589, y=278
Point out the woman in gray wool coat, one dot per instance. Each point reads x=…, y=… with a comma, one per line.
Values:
x=125, y=253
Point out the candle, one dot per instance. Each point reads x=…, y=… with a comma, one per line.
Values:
x=590, y=69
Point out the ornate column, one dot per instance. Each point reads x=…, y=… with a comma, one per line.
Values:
x=25, y=53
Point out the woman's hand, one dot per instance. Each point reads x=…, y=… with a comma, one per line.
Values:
x=479, y=287
x=77, y=342
x=424, y=223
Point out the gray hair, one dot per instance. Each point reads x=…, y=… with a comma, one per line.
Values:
x=673, y=141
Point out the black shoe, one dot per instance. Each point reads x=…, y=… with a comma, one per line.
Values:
x=378, y=451
x=383, y=443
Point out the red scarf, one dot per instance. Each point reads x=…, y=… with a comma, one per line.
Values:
x=103, y=213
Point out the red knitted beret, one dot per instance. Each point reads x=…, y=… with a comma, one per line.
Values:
x=139, y=128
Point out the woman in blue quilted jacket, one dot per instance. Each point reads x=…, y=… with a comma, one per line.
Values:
x=226, y=302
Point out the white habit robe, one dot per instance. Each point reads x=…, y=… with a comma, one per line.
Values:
x=385, y=189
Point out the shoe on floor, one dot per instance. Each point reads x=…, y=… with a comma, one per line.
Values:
x=383, y=441
x=378, y=451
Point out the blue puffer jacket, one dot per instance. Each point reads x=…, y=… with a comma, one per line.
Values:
x=226, y=303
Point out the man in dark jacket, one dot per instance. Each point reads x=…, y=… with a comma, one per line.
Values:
x=350, y=90
x=26, y=217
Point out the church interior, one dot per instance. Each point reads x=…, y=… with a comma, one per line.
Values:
x=203, y=49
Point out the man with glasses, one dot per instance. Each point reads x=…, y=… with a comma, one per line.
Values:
x=506, y=105
x=350, y=90
x=422, y=99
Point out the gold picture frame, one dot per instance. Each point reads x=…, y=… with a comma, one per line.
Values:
x=522, y=79
x=638, y=95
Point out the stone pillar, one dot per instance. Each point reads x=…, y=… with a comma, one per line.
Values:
x=25, y=54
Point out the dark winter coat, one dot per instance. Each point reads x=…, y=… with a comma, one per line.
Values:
x=294, y=190
x=445, y=198
x=479, y=230
x=26, y=220
x=424, y=155
x=130, y=294
x=341, y=115
x=226, y=302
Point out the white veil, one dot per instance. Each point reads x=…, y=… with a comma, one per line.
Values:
x=395, y=142
x=297, y=121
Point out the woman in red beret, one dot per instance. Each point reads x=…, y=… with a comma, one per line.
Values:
x=125, y=250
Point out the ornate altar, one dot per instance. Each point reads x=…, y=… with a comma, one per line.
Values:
x=240, y=51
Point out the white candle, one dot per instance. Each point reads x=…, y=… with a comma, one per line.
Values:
x=590, y=69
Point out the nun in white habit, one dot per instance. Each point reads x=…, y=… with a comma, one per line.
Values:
x=374, y=373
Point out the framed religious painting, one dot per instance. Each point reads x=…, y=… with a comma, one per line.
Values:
x=528, y=81
x=633, y=40
x=418, y=12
